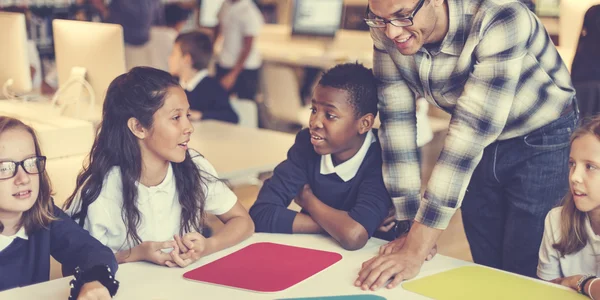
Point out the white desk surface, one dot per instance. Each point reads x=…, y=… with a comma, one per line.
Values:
x=143, y=280
x=237, y=151
x=276, y=44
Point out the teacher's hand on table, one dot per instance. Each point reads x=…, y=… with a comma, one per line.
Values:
x=400, y=265
x=409, y=254
x=396, y=245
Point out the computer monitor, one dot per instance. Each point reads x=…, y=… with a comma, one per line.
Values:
x=317, y=17
x=15, y=74
x=94, y=48
x=209, y=10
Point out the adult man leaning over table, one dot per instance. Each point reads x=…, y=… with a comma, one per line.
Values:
x=492, y=66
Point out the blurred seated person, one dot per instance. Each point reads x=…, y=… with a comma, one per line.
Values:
x=189, y=61
x=586, y=64
x=162, y=38
x=136, y=17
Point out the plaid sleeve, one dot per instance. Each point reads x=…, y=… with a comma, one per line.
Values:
x=397, y=133
x=481, y=111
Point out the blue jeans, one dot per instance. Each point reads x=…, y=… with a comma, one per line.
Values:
x=512, y=189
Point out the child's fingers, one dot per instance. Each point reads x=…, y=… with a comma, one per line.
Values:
x=386, y=227
x=165, y=245
x=189, y=244
x=170, y=264
x=190, y=255
x=192, y=236
x=178, y=260
x=180, y=244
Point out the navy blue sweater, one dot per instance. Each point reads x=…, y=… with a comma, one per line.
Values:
x=26, y=262
x=212, y=100
x=364, y=196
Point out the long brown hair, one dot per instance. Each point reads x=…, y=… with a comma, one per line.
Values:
x=573, y=236
x=41, y=213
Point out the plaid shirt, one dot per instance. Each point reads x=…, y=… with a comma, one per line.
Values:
x=499, y=76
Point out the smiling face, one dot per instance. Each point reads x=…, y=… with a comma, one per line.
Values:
x=19, y=193
x=334, y=127
x=429, y=22
x=584, y=175
x=167, y=140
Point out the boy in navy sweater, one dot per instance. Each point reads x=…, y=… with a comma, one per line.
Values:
x=333, y=170
x=189, y=61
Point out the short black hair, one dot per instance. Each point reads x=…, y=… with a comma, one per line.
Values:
x=358, y=81
x=198, y=45
x=175, y=13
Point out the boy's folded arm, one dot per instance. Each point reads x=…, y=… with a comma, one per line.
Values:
x=270, y=212
x=344, y=229
x=304, y=223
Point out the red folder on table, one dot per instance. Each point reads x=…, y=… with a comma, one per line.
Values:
x=265, y=267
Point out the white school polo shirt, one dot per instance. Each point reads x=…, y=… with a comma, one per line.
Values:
x=159, y=207
x=551, y=265
x=348, y=169
x=238, y=20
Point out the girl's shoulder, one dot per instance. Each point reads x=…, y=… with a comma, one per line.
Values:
x=554, y=213
x=202, y=163
x=110, y=194
x=553, y=220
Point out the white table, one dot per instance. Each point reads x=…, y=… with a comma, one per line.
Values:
x=276, y=44
x=147, y=281
x=237, y=151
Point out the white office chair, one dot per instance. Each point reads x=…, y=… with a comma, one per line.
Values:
x=247, y=112
x=280, y=90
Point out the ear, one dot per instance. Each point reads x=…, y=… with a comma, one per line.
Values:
x=136, y=128
x=187, y=59
x=365, y=123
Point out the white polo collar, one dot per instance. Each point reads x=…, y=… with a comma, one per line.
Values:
x=191, y=84
x=5, y=241
x=348, y=169
x=164, y=186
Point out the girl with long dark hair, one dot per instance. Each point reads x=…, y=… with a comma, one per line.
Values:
x=143, y=193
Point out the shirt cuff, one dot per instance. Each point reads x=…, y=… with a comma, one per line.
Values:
x=434, y=215
x=284, y=220
x=406, y=206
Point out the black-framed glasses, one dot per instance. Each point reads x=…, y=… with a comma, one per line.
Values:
x=398, y=22
x=32, y=165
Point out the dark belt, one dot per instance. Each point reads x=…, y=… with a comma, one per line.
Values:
x=567, y=109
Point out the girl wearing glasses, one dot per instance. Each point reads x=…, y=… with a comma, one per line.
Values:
x=144, y=194
x=32, y=228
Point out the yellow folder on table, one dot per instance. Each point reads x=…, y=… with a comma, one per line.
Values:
x=479, y=283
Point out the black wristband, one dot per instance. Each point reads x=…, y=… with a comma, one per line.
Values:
x=102, y=274
x=583, y=283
